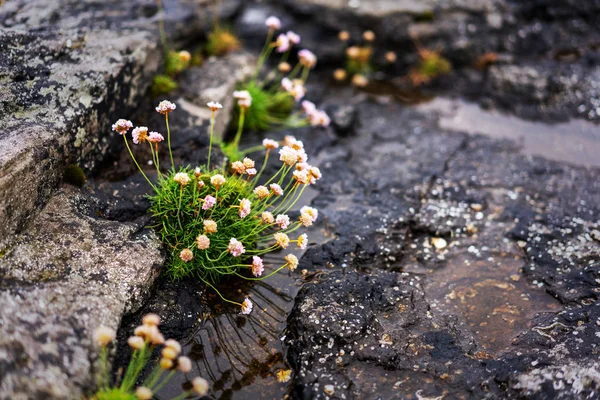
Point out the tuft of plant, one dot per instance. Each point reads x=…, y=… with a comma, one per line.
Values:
x=274, y=96
x=219, y=222
x=177, y=62
x=147, y=339
x=358, y=65
x=163, y=84
x=222, y=41
x=431, y=66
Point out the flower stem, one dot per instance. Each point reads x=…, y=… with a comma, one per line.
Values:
x=169, y=142
x=212, y=128
x=219, y=293
x=238, y=135
x=136, y=163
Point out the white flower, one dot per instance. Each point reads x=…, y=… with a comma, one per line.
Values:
x=270, y=144
x=302, y=241
x=288, y=155
x=186, y=255
x=246, y=306
x=282, y=43
x=122, y=126
x=139, y=134
x=200, y=386
x=165, y=107
x=308, y=107
x=273, y=23
x=214, y=106
x=182, y=178
x=293, y=37
x=283, y=221
x=103, y=336
x=217, y=180
x=261, y=192
x=203, y=242
x=307, y=58
x=291, y=261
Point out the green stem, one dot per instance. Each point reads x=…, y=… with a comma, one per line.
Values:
x=212, y=127
x=169, y=142
x=136, y=163
x=219, y=293
x=262, y=277
x=238, y=135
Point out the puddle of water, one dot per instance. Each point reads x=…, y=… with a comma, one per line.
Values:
x=576, y=141
x=240, y=354
x=490, y=294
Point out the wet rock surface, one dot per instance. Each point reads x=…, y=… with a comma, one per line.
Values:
x=443, y=265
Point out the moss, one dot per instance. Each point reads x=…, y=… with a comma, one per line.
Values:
x=74, y=175
x=222, y=41
x=162, y=84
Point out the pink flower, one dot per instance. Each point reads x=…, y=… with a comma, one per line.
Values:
x=270, y=144
x=293, y=37
x=308, y=107
x=155, y=137
x=244, y=98
x=246, y=307
x=302, y=241
x=165, y=107
x=288, y=155
x=319, y=118
x=235, y=247
x=287, y=84
x=283, y=221
x=244, y=207
x=186, y=255
x=209, y=201
x=267, y=217
x=273, y=23
x=301, y=177
x=139, y=134
x=257, y=266
x=276, y=189
x=251, y=171
x=307, y=58
x=214, y=106
x=282, y=43
x=122, y=126
x=203, y=242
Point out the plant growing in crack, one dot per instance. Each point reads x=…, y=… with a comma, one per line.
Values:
x=218, y=222
x=146, y=340
x=273, y=95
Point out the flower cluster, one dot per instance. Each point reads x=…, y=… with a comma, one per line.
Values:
x=222, y=221
x=274, y=95
x=146, y=338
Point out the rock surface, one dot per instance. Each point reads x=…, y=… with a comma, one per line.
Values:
x=67, y=275
x=66, y=73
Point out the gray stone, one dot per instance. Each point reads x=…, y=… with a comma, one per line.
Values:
x=67, y=275
x=65, y=75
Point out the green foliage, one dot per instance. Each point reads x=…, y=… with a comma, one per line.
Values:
x=114, y=394
x=269, y=108
x=431, y=66
x=74, y=175
x=222, y=41
x=178, y=211
x=162, y=84
x=176, y=63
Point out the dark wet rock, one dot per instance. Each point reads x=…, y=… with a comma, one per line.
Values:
x=372, y=336
x=67, y=275
x=343, y=118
